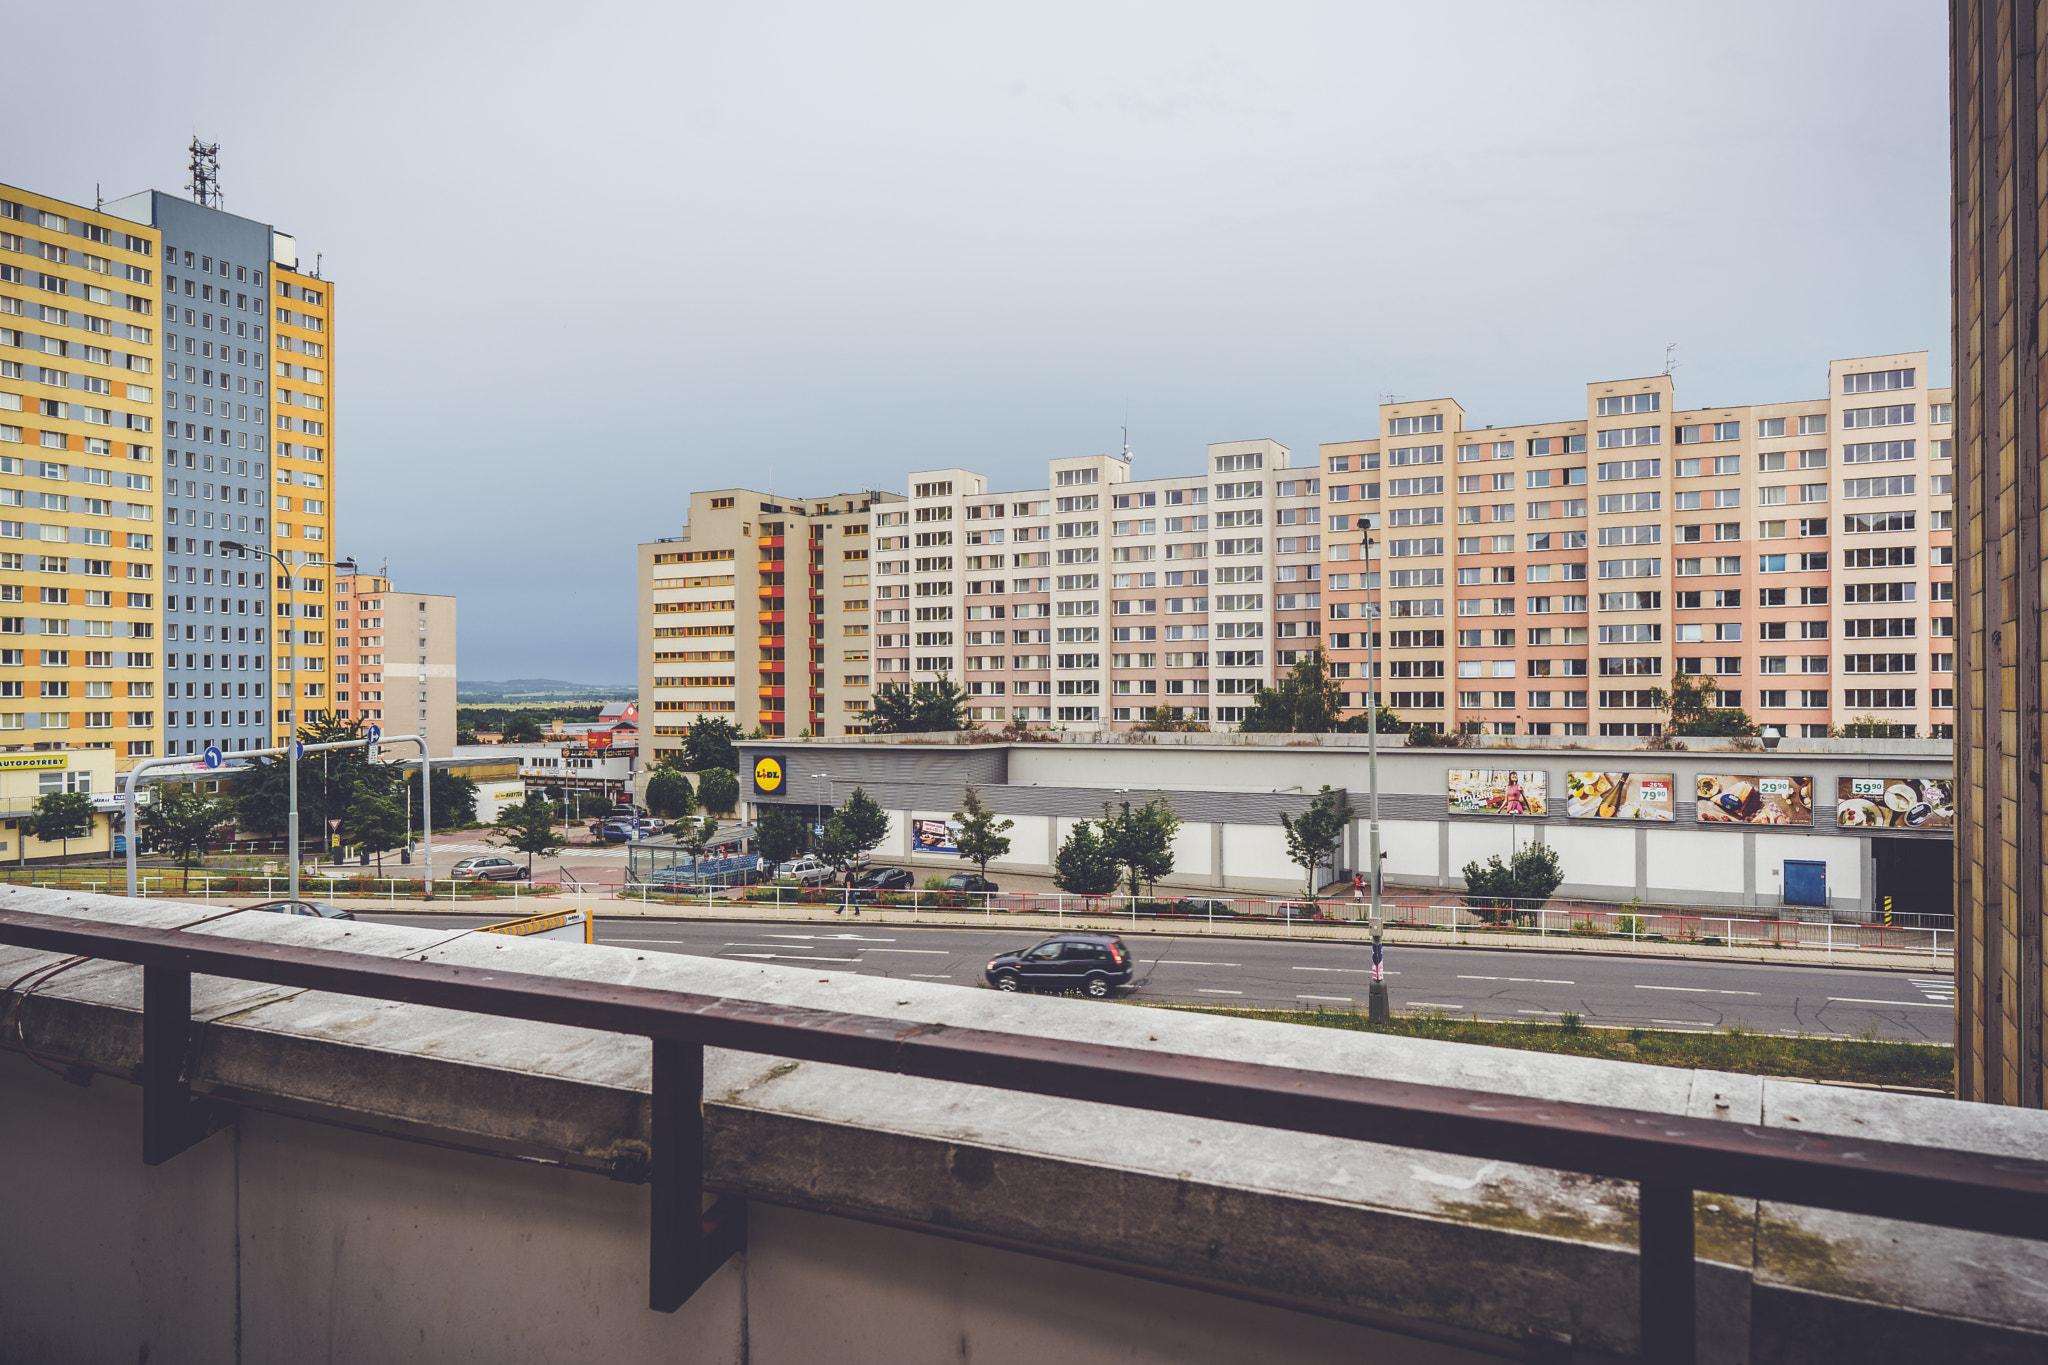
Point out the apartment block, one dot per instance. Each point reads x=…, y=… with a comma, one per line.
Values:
x=1098, y=599
x=406, y=639
x=79, y=464
x=759, y=612
x=1543, y=579
x=233, y=431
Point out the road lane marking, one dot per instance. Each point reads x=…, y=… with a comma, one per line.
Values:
x=855, y=938
x=1917, y=1004
x=928, y=952
x=1539, y=1011
x=1340, y=999
x=931, y=976
x=1346, y=971
x=1697, y=990
x=1431, y=1005
x=1184, y=962
x=1524, y=980
x=1682, y=1023
x=1206, y=991
x=798, y=957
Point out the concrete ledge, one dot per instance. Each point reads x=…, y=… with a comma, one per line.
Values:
x=1478, y=1246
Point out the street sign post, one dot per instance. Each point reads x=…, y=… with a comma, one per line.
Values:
x=375, y=733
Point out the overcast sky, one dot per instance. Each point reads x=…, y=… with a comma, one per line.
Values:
x=589, y=257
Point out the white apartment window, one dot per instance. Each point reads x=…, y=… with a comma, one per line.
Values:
x=1415, y=426
x=1770, y=427
x=1616, y=437
x=1877, y=381
x=1067, y=478
x=1898, y=414
x=1814, y=425
x=1628, y=403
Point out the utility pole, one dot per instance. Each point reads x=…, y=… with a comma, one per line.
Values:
x=1377, y=1009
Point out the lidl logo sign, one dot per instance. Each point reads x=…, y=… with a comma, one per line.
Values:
x=768, y=774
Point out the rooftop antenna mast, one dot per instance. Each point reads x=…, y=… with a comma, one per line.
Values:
x=1670, y=361
x=205, y=165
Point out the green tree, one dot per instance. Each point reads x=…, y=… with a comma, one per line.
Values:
x=712, y=742
x=1499, y=890
x=1141, y=841
x=1083, y=866
x=60, y=817
x=1314, y=838
x=465, y=737
x=454, y=795
x=375, y=823
x=179, y=820
x=1690, y=705
x=855, y=828
x=695, y=836
x=921, y=709
x=778, y=834
x=1307, y=700
x=982, y=838
x=1388, y=724
x=529, y=828
x=522, y=728
x=669, y=794
x=718, y=789
x=327, y=782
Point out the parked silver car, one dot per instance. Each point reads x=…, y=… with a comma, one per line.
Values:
x=490, y=868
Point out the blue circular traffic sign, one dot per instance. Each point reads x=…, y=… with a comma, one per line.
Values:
x=212, y=756
x=375, y=732
x=299, y=749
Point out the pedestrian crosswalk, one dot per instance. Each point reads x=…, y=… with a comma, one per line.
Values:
x=1939, y=989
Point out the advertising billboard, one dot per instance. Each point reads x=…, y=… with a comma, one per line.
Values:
x=1499, y=791
x=934, y=836
x=1750, y=799
x=1894, y=803
x=1618, y=796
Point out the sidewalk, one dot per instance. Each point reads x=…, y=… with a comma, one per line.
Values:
x=1352, y=932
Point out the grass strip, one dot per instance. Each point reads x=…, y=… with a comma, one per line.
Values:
x=1863, y=1060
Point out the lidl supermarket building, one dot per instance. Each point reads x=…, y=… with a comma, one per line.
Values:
x=1815, y=826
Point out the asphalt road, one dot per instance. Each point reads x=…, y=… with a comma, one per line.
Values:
x=1618, y=992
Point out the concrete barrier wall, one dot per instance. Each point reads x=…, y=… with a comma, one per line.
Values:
x=407, y=1184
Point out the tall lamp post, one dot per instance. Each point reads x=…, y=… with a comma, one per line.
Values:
x=1377, y=1008
x=292, y=712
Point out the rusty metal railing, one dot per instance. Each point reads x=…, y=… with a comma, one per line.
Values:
x=1668, y=1155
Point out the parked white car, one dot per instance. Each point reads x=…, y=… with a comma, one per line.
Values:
x=806, y=871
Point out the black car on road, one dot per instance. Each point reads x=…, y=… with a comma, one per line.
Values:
x=873, y=882
x=1094, y=963
x=970, y=881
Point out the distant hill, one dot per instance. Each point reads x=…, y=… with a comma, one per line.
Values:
x=542, y=689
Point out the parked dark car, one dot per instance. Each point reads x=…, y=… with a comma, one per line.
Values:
x=885, y=879
x=313, y=909
x=1094, y=963
x=618, y=832
x=970, y=881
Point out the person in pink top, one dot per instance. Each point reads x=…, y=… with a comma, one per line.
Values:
x=1513, y=804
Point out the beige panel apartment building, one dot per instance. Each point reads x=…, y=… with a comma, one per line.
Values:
x=394, y=661
x=1542, y=579
x=1101, y=597
x=758, y=612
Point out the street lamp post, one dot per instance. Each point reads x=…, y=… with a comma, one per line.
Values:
x=1377, y=1008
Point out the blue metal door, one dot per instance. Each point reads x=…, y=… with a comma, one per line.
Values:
x=1806, y=883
